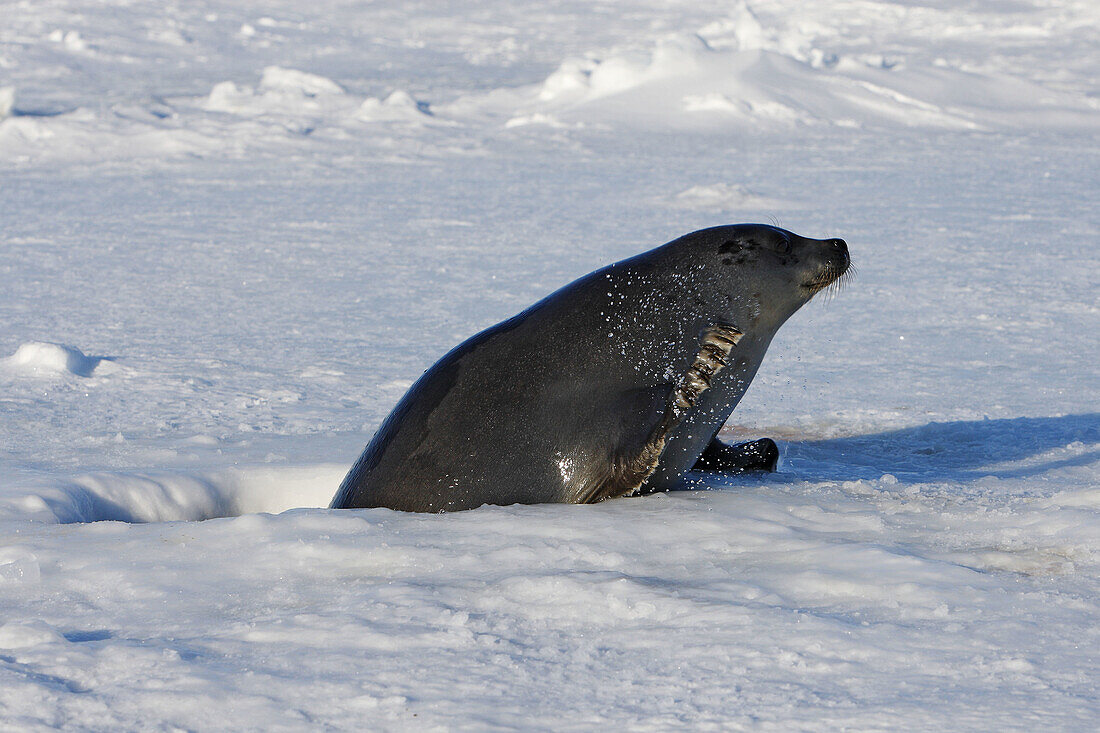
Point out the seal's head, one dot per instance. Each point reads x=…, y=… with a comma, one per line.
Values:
x=765, y=273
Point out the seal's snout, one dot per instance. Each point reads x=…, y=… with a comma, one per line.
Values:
x=840, y=247
x=835, y=264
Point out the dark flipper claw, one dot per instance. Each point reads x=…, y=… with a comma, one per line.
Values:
x=758, y=455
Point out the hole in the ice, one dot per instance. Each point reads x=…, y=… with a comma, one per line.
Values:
x=175, y=497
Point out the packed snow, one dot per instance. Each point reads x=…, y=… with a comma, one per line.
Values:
x=233, y=234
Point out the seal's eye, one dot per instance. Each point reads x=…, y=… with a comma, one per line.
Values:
x=783, y=246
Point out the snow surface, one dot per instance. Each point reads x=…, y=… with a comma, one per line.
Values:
x=232, y=234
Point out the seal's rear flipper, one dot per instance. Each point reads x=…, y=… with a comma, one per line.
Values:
x=758, y=455
x=631, y=469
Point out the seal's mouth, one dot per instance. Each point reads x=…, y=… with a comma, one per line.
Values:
x=819, y=284
x=832, y=274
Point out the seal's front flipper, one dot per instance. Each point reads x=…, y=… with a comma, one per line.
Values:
x=630, y=470
x=714, y=350
x=758, y=455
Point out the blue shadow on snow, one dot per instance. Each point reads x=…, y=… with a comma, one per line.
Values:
x=948, y=451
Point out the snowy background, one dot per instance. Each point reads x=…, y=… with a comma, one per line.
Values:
x=232, y=234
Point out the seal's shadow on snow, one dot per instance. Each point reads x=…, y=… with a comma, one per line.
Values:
x=951, y=451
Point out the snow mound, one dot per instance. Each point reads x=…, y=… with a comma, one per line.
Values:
x=299, y=102
x=741, y=30
x=724, y=196
x=593, y=78
x=292, y=80
x=744, y=76
x=177, y=497
x=44, y=358
x=280, y=91
x=71, y=40
x=18, y=566
x=124, y=132
x=397, y=107
x=7, y=101
x=22, y=635
x=538, y=118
